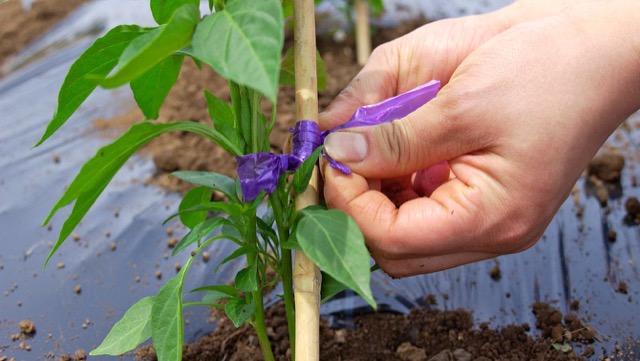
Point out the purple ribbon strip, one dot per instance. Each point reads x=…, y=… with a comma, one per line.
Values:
x=261, y=171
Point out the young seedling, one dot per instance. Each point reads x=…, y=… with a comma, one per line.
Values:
x=242, y=41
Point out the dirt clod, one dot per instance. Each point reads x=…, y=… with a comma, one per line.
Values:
x=27, y=327
x=80, y=355
x=408, y=352
x=632, y=206
x=623, y=288
x=172, y=242
x=496, y=273
x=607, y=166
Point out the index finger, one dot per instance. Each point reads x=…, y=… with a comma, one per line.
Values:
x=444, y=224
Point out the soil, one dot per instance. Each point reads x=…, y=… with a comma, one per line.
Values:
x=424, y=334
x=19, y=27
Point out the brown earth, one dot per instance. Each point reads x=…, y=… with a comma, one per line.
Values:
x=423, y=334
x=19, y=27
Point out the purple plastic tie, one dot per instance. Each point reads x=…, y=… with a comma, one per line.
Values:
x=261, y=171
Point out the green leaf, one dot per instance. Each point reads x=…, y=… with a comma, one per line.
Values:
x=266, y=230
x=151, y=89
x=235, y=254
x=153, y=47
x=100, y=58
x=239, y=311
x=217, y=181
x=303, y=174
x=198, y=232
x=288, y=70
x=247, y=279
x=133, y=329
x=330, y=287
x=167, y=323
x=243, y=43
x=333, y=241
x=223, y=119
x=287, y=8
x=376, y=7
x=562, y=347
x=162, y=10
x=217, y=293
x=99, y=170
x=194, y=197
x=220, y=112
x=222, y=207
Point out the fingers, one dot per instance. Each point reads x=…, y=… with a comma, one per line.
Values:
x=375, y=82
x=434, y=133
x=421, y=227
x=422, y=265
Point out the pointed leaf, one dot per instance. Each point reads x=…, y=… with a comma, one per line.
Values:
x=288, y=71
x=194, y=197
x=217, y=181
x=330, y=287
x=99, y=170
x=223, y=119
x=221, y=207
x=151, y=89
x=235, y=254
x=150, y=49
x=239, y=311
x=247, y=278
x=133, y=329
x=162, y=10
x=377, y=7
x=332, y=240
x=243, y=43
x=100, y=58
x=167, y=323
x=226, y=289
x=199, y=231
x=303, y=175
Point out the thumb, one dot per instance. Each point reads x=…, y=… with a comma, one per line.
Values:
x=375, y=82
x=426, y=137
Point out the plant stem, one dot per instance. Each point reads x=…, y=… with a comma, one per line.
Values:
x=258, y=315
x=286, y=270
x=255, y=118
x=260, y=326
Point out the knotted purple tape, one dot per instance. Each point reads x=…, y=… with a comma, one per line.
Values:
x=261, y=171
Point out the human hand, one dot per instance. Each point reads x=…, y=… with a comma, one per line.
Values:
x=480, y=170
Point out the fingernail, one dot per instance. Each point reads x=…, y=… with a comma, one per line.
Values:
x=346, y=146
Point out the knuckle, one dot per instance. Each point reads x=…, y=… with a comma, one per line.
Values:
x=394, y=139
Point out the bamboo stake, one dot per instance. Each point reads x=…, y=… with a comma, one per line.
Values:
x=363, y=35
x=306, y=275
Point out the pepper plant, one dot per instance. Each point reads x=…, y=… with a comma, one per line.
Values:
x=241, y=40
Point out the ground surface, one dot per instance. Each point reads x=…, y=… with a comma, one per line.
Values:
x=426, y=333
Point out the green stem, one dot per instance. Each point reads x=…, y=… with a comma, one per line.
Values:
x=286, y=271
x=255, y=118
x=258, y=323
x=260, y=326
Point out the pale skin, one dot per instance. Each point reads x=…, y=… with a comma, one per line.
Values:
x=530, y=93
